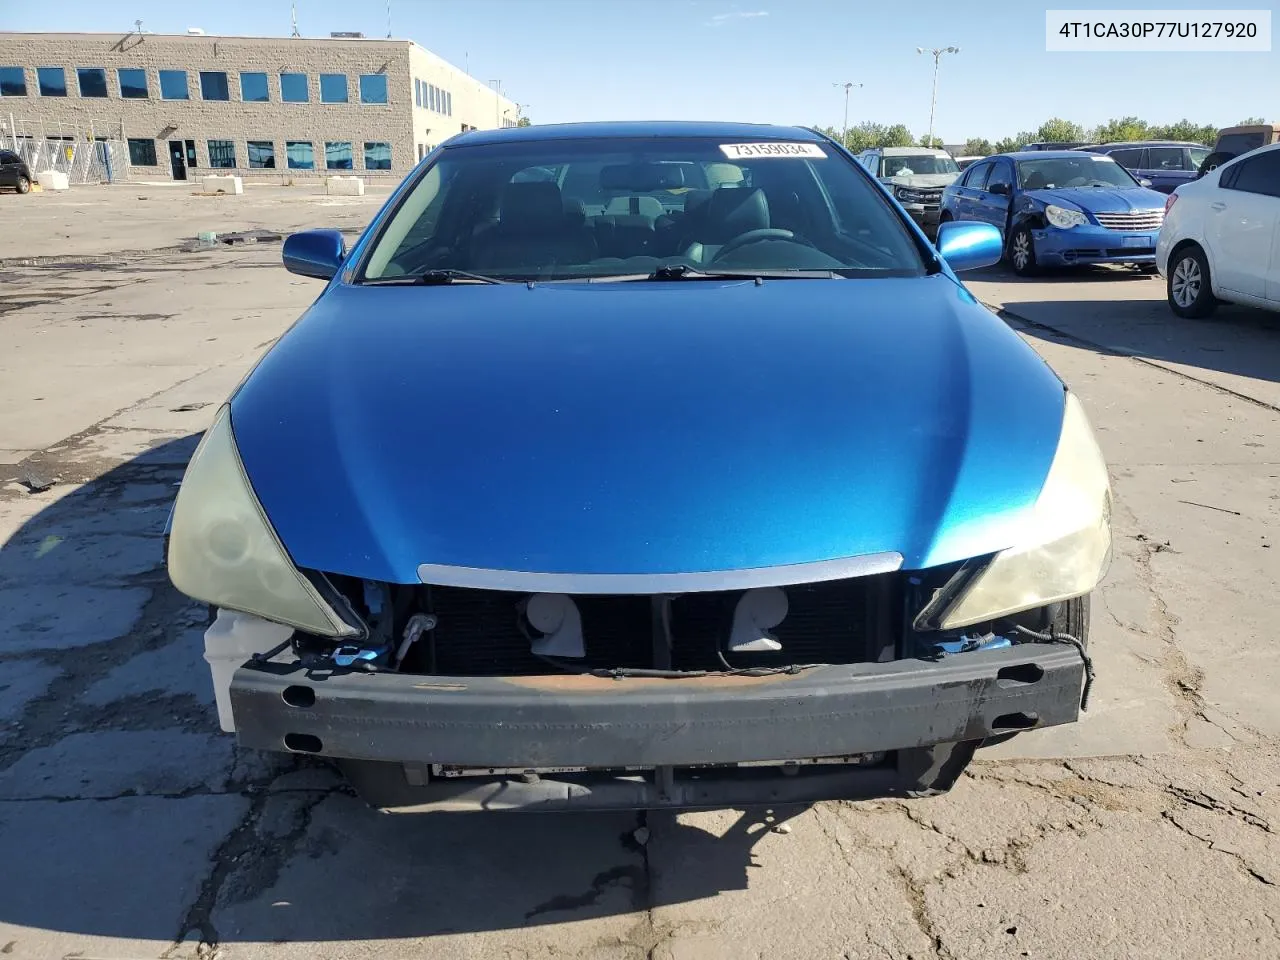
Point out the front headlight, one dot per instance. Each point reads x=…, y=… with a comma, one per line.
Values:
x=1064, y=218
x=1066, y=546
x=223, y=551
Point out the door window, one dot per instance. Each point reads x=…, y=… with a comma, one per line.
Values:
x=1260, y=174
x=1130, y=157
x=1167, y=158
x=1001, y=172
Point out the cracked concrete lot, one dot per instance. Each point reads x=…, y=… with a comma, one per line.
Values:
x=131, y=828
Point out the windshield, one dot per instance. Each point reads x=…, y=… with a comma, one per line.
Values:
x=917, y=164
x=564, y=209
x=1094, y=170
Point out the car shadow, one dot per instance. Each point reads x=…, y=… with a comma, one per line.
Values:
x=125, y=813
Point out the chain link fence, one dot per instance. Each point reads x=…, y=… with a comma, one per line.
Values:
x=83, y=157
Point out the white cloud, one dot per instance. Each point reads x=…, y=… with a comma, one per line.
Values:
x=720, y=19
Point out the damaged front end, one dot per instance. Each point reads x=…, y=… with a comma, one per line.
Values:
x=476, y=698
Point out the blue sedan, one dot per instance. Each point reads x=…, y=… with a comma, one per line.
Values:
x=636, y=465
x=1060, y=208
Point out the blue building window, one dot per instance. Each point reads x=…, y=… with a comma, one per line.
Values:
x=222, y=154
x=262, y=154
x=53, y=81
x=333, y=88
x=13, y=82
x=213, y=85
x=93, y=81
x=253, y=88
x=293, y=88
x=173, y=85
x=300, y=155
x=337, y=156
x=373, y=88
x=377, y=156
x=133, y=84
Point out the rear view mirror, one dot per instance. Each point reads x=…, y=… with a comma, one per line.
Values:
x=999, y=189
x=314, y=253
x=641, y=177
x=1144, y=182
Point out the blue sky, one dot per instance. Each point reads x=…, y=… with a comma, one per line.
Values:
x=758, y=60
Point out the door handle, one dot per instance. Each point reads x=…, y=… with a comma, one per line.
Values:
x=1217, y=205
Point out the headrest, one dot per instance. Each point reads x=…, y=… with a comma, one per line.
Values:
x=635, y=206
x=735, y=210
x=723, y=174
x=575, y=210
x=532, y=206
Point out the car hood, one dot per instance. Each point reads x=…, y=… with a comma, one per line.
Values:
x=919, y=180
x=642, y=428
x=1102, y=199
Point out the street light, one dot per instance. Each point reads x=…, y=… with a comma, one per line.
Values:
x=937, y=58
x=844, y=134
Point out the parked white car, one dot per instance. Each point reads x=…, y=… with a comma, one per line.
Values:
x=1221, y=237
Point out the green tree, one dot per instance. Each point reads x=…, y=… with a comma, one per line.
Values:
x=935, y=143
x=1057, y=129
x=1251, y=122
x=1124, y=128
x=978, y=147
x=897, y=136
x=1184, y=129
x=523, y=122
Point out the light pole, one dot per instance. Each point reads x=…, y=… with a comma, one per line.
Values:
x=844, y=133
x=937, y=58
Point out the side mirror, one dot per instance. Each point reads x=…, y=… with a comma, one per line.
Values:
x=969, y=245
x=1144, y=182
x=999, y=189
x=314, y=253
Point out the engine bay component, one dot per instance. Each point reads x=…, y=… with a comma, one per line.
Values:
x=757, y=612
x=556, y=617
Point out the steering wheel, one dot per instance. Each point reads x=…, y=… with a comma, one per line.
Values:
x=755, y=236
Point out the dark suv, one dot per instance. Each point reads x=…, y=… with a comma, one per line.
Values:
x=14, y=172
x=1166, y=163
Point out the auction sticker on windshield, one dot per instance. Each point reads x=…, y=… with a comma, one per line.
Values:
x=753, y=151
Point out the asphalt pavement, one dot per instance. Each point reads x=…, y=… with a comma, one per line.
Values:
x=131, y=828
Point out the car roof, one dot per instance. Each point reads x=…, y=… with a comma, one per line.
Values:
x=1043, y=154
x=638, y=129
x=1147, y=143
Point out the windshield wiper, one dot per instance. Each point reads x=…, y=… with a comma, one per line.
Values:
x=435, y=278
x=683, y=271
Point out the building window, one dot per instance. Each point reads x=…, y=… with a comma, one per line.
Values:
x=173, y=85
x=377, y=156
x=142, y=153
x=337, y=155
x=253, y=88
x=93, y=81
x=133, y=84
x=299, y=155
x=333, y=88
x=13, y=82
x=448, y=104
x=213, y=85
x=53, y=82
x=222, y=154
x=293, y=88
x=373, y=88
x=262, y=154
x=417, y=92
x=435, y=95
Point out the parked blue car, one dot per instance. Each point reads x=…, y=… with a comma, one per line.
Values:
x=1165, y=164
x=638, y=465
x=1061, y=208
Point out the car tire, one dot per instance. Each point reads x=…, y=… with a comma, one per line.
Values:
x=23, y=185
x=1021, y=252
x=1189, y=287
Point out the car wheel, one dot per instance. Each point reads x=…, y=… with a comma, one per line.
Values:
x=1190, y=292
x=1022, y=252
x=23, y=185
